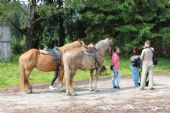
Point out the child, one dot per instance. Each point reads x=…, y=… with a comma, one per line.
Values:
x=116, y=68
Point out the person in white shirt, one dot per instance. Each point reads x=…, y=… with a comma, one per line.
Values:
x=147, y=65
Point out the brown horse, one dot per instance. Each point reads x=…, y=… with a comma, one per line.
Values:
x=35, y=58
x=80, y=58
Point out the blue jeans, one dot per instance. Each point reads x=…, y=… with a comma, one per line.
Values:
x=115, y=77
x=135, y=74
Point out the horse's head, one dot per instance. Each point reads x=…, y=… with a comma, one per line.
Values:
x=109, y=43
x=78, y=43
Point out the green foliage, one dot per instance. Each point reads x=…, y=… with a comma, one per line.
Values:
x=9, y=10
x=127, y=28
x=129, y=22
x=17, y=46
x=165, y=33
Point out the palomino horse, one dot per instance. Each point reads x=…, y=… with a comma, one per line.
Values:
x=34, y=58
x=102, y=46
x=80, y=58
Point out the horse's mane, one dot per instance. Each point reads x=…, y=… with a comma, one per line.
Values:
x=69, y=46
x=102, y=43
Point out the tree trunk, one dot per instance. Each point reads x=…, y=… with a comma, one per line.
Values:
x=61, y=32
x=61, y=26
x=31, y=39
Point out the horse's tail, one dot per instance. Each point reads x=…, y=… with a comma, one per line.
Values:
x=22, y=74
x=67, y=69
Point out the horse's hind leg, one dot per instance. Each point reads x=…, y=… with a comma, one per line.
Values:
x=96, y=78
x=22, y=76
x=71, y=85
x=60, y=80
x=95, y=83
x=67, y=82
x=91, y=81
x=28, y=86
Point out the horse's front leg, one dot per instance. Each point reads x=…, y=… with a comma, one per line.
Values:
x=95, y=83
x=91, y=80
x=67, y=82
x=69, y=85
x=60, y=86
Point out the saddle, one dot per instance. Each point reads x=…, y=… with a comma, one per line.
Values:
x=90, y=50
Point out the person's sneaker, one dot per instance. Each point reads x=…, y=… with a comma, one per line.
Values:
x=115, y=87
x=51, y=88
x=139, y=83
x=152, y=88
x=118, y=87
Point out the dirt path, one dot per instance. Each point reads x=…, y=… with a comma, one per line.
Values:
x=126, y=100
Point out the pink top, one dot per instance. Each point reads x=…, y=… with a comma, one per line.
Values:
x=115, y=60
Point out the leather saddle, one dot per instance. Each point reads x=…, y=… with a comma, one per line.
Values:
x=90, y=50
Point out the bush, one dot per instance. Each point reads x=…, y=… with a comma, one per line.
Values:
x=17, y=46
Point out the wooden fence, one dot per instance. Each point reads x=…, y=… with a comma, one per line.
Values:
x=5, y=49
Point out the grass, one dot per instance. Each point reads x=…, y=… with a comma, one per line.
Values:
x=9, y=71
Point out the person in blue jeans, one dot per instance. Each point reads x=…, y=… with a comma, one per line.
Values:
x=115, y=78
x=135, y=74
x=115, y=68
x=135, y=65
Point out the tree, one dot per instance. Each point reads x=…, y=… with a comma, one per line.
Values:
x=60, y=17
x=32, y=27
x=129, y=22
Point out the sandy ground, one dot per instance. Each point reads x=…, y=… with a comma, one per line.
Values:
x=128, y=99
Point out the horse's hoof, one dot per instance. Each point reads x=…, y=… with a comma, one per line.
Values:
x=91, y=89
x=68, y=94
x=22, y=92
x=27, y=92
x=74, y=94
x=96, y=90
x=62, y=90
x=71, y=94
